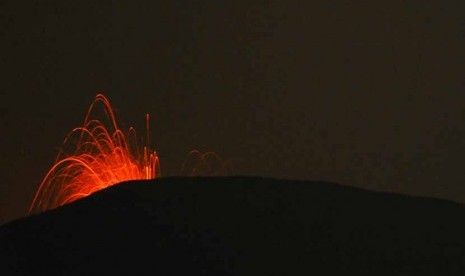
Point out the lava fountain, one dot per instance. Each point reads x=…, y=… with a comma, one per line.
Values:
x=94, y=156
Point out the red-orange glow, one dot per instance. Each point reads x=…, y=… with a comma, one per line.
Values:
x=94, y=156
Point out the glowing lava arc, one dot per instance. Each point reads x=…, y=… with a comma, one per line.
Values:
x=92, y=157
x=209, y=163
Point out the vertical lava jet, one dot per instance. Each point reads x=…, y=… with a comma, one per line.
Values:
x=94, y=156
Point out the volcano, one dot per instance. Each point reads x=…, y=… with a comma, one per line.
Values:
x=238, y=226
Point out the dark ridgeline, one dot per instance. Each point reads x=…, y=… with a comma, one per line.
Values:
x=238, y=226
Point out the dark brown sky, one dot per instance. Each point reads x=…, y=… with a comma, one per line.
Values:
x=364, y=94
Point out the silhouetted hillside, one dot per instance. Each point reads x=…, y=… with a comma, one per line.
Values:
x=238, y=226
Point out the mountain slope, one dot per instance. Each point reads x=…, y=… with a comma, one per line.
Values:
x=238, y=226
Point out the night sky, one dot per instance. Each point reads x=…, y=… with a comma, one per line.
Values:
x=368, y=94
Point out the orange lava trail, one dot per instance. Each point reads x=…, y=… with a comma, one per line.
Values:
x=94, y=156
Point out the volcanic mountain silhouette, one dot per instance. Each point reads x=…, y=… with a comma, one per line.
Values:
x=238, y=226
